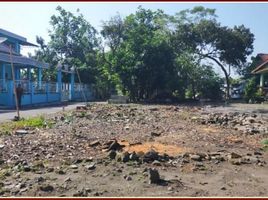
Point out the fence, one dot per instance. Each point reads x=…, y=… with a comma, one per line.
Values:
x=3, y=85
x=42, y=92
x=25, y=84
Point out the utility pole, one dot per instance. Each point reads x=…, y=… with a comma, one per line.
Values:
x=14, y=83
x=83, y=92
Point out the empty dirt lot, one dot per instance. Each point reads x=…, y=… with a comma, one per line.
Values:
x=139, y=150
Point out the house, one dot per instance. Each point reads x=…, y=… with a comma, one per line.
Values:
x=38, y=90
x=237, y=89
x=262, y=71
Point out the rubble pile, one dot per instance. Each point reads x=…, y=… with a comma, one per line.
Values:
x=245, y=122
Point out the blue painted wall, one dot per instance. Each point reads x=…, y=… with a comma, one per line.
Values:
x=8, y=98
x=4, y=99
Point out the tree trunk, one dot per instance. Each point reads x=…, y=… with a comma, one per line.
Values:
x=193, y=91
x=227, y=94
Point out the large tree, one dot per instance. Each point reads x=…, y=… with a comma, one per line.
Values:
x=73, y=41
x=113, y=34
x=46, y=54
x=199, y=80
x=198, y=30
x=140, y=53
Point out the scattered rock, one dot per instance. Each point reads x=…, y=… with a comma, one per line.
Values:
x=77, y=161
x=154, y=134
x=82, y=193
x=91, y=166
x=150, y=156
x=47, y=188
x=125, y=157
x=122, y=157
x=97, y=194
x=195, y=157
x=234, y=156
x=27, y=168
x=203, y=183
x=235, y=161
x=50, y=169
x=114, y=145
x=243, y=122
x=128, y=178
x=94, y=143
x=249, y=160
x=257, y=153
x=154, y=176
x=199, y=164
x=90, y=159
x=61, y=172
x=23, y=190
x=73, y=167
x=21, y=132
x=40, y=179
x=156, y=163
x=68, y=179
x=223, y=188
x=133, y=156
x=112, y=154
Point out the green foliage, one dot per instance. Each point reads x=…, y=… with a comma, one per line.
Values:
x=148, y=54
x=141, y=58
x=199, y=31
x=252, y=93
x=73, y=42
x=34, y=122
x=200, y=80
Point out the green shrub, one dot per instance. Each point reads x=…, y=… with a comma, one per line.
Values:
x=252, y=93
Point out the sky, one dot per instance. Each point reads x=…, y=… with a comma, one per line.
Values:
x=30, y=19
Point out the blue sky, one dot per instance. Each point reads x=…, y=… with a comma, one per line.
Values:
x=30, y=19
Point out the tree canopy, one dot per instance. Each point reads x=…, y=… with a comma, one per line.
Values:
x=199, y=31
x=149, y=54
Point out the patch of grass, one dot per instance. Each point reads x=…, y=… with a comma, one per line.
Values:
x=34, y=122
x=265, y=144
x=4, y=173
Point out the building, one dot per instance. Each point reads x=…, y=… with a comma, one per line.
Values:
x=262, y=71
x=36, y=90
x=237, y=90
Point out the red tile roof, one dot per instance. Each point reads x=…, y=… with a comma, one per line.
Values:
x=263, y=56
x=264, y=60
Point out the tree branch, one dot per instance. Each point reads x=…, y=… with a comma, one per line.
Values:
x=223, y=69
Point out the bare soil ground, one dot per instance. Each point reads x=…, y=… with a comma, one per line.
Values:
x=91, y=153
